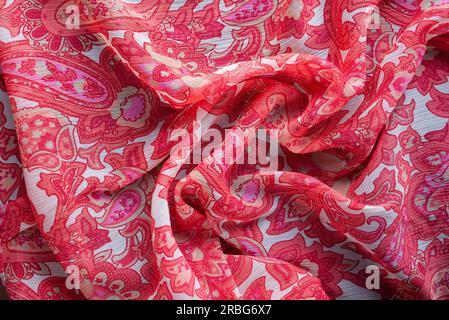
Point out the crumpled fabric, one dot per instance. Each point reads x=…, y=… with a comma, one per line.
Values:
x=358, y=92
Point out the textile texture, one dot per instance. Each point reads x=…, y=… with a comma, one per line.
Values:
x=111, y=185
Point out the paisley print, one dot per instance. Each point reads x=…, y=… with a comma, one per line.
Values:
x=99, y=98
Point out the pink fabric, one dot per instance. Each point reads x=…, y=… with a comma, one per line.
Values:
x=357, y=93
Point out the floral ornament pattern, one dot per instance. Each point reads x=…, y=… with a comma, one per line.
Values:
x=89, y=179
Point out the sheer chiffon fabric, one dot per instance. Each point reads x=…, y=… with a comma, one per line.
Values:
x=92, y=91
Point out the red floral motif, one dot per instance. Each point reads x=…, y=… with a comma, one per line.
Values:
x=428, y=195
x=9, y=180
x=164, y=241
x=257, y=291
x=54, y=288
x=182, y=278
x=36, y=28
x=89, y=178
x=309, y=289
x=104, y=281
x=436, y=277
x=327, y=266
